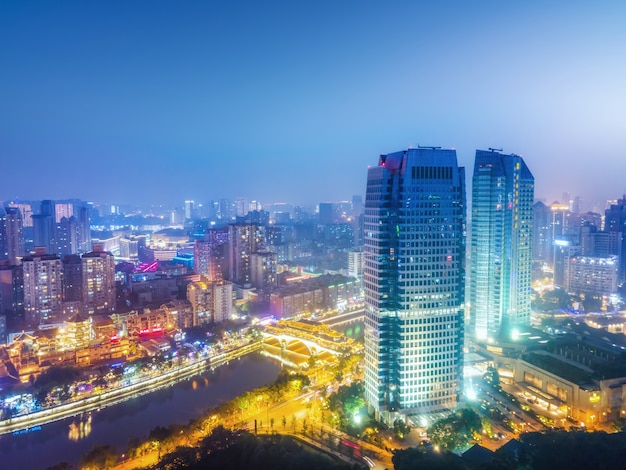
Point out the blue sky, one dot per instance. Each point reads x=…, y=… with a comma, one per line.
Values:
x=157, y=102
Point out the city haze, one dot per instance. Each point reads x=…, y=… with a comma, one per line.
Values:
x=156, y=102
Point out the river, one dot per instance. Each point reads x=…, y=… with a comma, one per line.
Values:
x=116, y=425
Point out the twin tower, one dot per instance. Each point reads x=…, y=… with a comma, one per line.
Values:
x=416, y=262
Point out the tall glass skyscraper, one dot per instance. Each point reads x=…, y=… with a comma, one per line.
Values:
x=414, y=245
x=501, y=244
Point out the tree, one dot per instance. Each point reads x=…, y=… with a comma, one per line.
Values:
x=456, y=430
x=98, y=458
x=159, y=435
x=400, y=428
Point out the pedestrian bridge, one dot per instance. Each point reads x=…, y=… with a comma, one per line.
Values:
x=306, y=338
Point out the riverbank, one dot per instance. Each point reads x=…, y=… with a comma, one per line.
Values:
x=131, y=421
x=126, y=392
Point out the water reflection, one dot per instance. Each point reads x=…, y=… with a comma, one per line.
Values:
x=80, y=429
x=67, y=440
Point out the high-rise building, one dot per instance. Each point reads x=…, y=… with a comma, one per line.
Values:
x=63, y=209
x=355, y=263
x=189, y=209
x=4, y=243
x=44, y=227
x=210, y=255
x=211, y=301
x=615, y=221
x=501, y=244
x=82, y=214
x=15, y=234
x=414, y=280
x=244, y=239
x=26, y=211
x=12, y=295
x=72, y=279
x=326, y=213
x=43, y=288
x=542, y=226
x=98, y=281
x=67, y=236
x=263, y=269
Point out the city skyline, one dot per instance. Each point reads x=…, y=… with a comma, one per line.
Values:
x=153, y=103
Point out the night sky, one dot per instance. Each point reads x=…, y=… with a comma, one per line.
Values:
x=161, y=101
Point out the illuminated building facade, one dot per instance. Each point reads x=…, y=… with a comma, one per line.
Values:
x=263, y=269
x=591, y=276
x=414, y=245
x=15, y=234
x=615, y=221
x=43, y=288
x=501, y=244
x=211, y=254
x=244, y=239
x=98, y=281
x=211, y=301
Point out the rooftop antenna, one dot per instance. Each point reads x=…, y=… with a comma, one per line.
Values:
x=495, y=150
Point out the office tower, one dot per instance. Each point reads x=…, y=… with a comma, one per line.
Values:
x=210, y=256
x=43, y=288
x=501, y=244
x=189, y=210
x=542, y=240
x=560, y=228
x=414, y=282
x=615, y=221
x=98, y=281
x=244, y=239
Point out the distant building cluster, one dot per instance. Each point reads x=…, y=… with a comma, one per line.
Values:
x=84, y=284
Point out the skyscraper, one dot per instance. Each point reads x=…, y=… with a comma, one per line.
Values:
x=414, y=245
x=501, y=244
